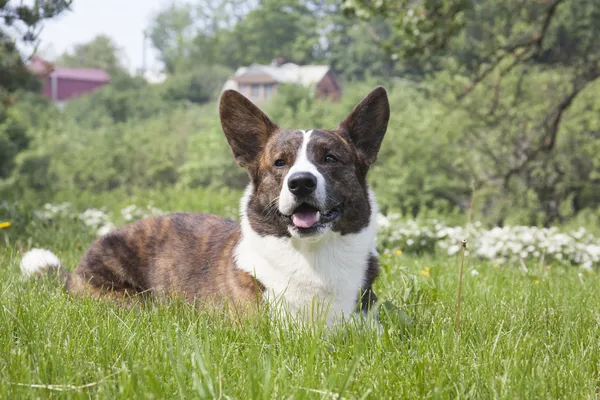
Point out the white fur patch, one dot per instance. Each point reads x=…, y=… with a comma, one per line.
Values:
x=37, y=260
x=287, y=201
x=296, y=272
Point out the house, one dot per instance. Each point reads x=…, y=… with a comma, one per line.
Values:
x=64, y=83
x=260, y=82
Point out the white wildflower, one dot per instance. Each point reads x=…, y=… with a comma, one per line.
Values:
x=499, y=244
x=383, y=221
x=452, y=250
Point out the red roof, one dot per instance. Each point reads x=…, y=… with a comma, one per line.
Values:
x=82, y=74
x=41, y=67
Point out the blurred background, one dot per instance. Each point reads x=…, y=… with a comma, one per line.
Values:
x=495, y=104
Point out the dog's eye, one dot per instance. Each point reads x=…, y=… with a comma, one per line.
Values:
x=330, y=159
x=279, y=163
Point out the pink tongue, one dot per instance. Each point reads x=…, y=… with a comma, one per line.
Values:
x=305, y=219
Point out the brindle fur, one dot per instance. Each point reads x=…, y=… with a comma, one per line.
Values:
x=368, y=297
x=185, y=254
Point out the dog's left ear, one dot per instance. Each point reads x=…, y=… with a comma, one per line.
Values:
x=367, y=123
x=246, y=127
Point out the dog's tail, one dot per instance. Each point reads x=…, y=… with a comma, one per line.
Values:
x=41, y=261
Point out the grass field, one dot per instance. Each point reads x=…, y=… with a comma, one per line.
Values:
x=524, y=335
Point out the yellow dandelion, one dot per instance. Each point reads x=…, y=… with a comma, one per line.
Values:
x=537, y=282
x=398, y=252
x=425, y=274
x=427, y=269
x=4, y=224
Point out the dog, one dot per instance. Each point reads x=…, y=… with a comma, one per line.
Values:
x=307, y=231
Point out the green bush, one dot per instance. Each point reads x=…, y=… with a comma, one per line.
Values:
x=125, y=99
x=434, y=154
x=200, y=85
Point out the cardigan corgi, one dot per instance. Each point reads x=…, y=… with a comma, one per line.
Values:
x=307, y=230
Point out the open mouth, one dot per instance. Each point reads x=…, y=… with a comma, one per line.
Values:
x=308, y=217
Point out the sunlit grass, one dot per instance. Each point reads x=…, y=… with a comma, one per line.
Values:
x=519, y=340
x=533, y=334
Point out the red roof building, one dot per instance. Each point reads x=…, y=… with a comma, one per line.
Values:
x=63, y=83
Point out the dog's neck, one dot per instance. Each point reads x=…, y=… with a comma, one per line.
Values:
x=329, y=268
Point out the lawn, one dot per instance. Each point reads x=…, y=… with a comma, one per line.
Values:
x=533, y=334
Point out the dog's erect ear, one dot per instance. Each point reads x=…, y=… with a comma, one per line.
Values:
x=367, y=123
x=246, y=127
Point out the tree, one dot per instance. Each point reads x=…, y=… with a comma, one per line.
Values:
x=233, y=33
x=185, y=32
x=171, y=33
x=25, y=19
x=101, y=52
x=517, y=69
x=21, y=21
x=285, y=28
x=420, y=27
x=354, y=48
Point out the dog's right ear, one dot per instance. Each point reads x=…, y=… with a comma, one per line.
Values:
x=246, y=127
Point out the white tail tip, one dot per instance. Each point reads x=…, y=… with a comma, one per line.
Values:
x=37, y=260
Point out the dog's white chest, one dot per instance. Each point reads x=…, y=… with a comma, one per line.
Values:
x=314, y=280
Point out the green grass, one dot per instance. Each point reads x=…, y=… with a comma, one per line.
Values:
x=524, y=335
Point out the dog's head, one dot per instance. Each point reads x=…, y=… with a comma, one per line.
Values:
x=306, y=183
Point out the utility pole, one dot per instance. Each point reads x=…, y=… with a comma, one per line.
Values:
x=143, y=69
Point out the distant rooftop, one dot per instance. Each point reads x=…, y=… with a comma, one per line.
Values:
x=84, y=74
x=286, y=73
x=41, y=67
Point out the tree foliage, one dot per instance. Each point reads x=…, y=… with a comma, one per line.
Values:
x=101, y=52
x=516, y=69
x=171, y=33
x=419, y=27
x=21, y=22
x=233, y=33
x=494, y=103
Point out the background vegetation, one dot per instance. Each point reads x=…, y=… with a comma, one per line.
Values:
x=495, y=102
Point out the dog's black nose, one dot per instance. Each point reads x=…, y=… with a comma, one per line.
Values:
x=302, y=183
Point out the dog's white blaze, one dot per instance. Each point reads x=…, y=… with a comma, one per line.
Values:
x=287, y=201
x=300, y=271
